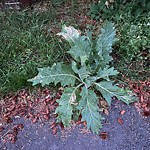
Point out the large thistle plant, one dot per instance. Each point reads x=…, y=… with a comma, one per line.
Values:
x=88, y=73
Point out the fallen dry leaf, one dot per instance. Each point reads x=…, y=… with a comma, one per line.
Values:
x=86, y=131
x=48, y=99
x=78, y=122
x=146, y=112
x=104, y=135
x=54, y=130
x=103, y=103
x=53, y=101
x=84, y=123
x=1, y=128
x=120, y=121
x=61, y=89
x=11, y=108
x=20, y=126
x=142, y=98
x=8, y=120
x=143, y=105
x=47, y=110
x=53, y=124
x=46, y=117
x=35, y=119
x=106, y=111
x=122, y=112
x=58, y=95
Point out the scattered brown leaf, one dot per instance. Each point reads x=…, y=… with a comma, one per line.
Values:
x=11, y=108
x=146, y=112
x=84, y=123
x=78, y=122
x=53, y=124
x=1, y=128
x=61, y=89
x=35, y=119
x=85, y=130
x=58, y=95
x=48, y=100
x=122, y=112
x=46, y=117
x=120, y=121
x=106, y=111
x=53, y=101
x=47, y=110
x=103, y=103
x=104, y=135
x=8, y=120
x=20, y=126
x=54, y=130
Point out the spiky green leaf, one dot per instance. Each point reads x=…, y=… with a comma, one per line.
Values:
x=65, y=108
x=90, y=81
x=105, y=42
x=82, y=73
x=90, y=110
x=57, y=73
x=108, y=90
x=106, y=72
x=81, y=49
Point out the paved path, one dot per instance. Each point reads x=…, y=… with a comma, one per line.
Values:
x=133, y=134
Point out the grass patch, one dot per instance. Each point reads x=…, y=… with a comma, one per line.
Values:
x=28, y=40
x=26, y=44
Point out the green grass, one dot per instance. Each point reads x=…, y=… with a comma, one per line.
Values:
x=26, y=44
x=28, y=41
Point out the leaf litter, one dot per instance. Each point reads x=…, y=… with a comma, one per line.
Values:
x=142, y=89
x=38, y=106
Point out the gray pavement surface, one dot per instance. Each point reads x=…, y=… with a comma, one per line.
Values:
x=133, y=134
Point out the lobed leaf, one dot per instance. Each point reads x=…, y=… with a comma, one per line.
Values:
x=65, y=108
x=108, y=90
x=106, y=72
x=105, y=42
x=81, y=49
x=90, y=110
x=69, y=33
x=83, y=72
x=57, y=73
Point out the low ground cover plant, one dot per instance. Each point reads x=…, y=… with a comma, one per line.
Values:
x=133, y=30
x=86, y=79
